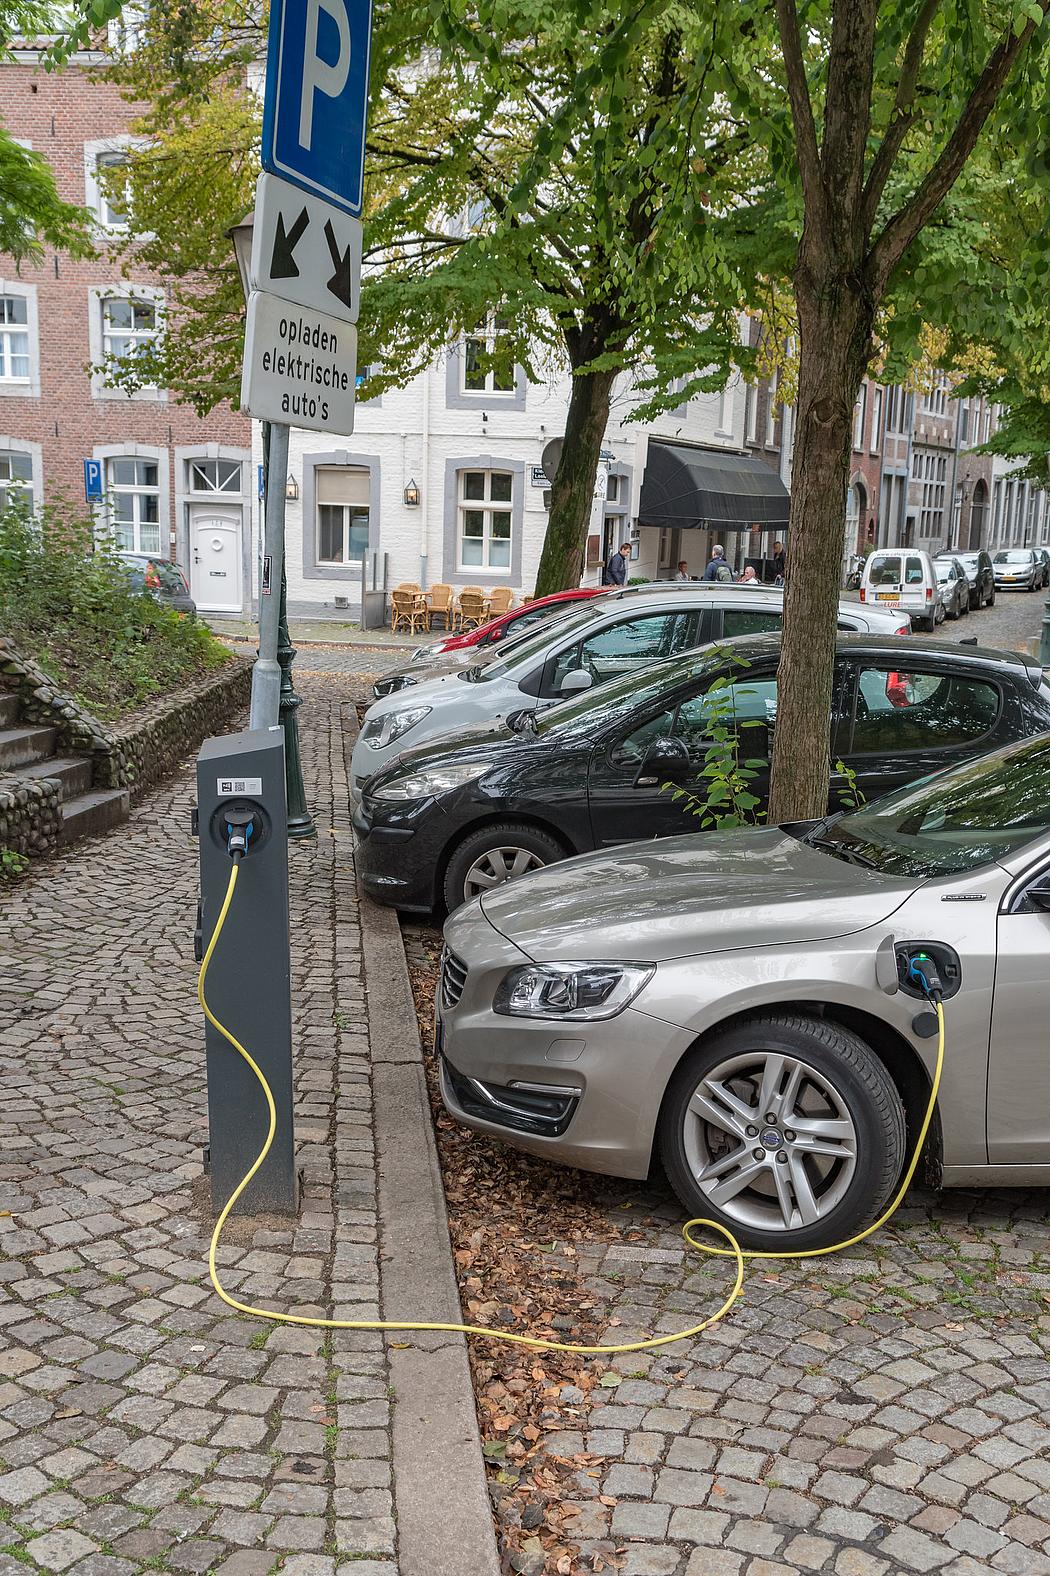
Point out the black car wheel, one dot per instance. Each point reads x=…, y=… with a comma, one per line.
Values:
x=494, y=855
x=991, y=598
x=788, y=1130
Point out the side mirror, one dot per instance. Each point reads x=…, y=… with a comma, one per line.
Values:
x=1039, y=894
x=575, y=682
x=667, y=760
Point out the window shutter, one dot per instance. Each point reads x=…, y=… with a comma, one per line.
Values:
x=343, y=484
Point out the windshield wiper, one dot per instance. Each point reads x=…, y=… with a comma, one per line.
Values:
x=831, y=845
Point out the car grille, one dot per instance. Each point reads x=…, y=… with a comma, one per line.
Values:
x=453, y=979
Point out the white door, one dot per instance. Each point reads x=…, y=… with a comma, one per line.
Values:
x=215, y=561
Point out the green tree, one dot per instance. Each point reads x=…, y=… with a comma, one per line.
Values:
x=882, y=117
x=32, y=215
x=547, y=182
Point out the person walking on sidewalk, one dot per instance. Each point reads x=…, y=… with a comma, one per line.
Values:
x=615, y=573
x=718, y=569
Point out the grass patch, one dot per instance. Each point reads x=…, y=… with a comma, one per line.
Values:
x=68, y=603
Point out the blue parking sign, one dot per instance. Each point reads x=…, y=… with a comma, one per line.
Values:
x=92, y=479
x=317, y=97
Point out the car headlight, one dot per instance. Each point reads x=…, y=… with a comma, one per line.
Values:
x=571, y=992
x=382, y=731
x=391, y=685
x=429, y=780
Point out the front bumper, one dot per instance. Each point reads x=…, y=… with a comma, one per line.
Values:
x=581, y=1094
x=396, y=864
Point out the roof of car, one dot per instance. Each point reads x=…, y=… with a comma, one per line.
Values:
x=904, y=648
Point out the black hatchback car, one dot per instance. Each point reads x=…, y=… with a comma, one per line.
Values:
x=464, y=813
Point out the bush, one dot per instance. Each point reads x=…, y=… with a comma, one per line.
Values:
x=67, y=602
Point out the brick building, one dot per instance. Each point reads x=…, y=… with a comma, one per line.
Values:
x=174, y=483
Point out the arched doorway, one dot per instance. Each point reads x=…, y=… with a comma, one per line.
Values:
x=978, y=515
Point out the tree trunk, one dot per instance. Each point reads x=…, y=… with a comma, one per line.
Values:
x=572, y=491
x=835, y=326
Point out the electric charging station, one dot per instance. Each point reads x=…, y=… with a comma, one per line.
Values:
x=241, y=803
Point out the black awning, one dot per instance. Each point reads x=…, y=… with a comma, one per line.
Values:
x=692, y=488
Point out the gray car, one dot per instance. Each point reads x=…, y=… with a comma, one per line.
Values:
x=733, y=1005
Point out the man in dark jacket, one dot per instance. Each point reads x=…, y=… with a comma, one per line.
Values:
x=718, y=569
x=616, y=569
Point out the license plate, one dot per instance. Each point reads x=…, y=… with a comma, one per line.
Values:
x=887, y=596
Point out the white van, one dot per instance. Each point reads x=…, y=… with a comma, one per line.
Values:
x=903, y=577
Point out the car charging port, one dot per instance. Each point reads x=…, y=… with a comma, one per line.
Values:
x=945, y=960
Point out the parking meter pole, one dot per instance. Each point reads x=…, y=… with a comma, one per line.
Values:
x=1044, y=641
x=300, y=821
x=249, y=981
x=266, y=675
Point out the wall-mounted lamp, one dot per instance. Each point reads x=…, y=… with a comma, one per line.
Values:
x=412, y=495
x=291, y=488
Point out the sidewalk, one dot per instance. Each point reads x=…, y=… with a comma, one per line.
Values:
x=142, y=1424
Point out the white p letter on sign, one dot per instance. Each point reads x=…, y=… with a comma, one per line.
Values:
x=318, y=75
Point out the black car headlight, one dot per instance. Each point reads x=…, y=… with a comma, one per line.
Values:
x=381, y=731
x=391, y=684
x=571, y=992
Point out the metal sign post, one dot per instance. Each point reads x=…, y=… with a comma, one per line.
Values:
x=266, y=674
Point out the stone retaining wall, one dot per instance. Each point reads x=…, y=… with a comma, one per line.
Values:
x=30, y=820
x=135, y=753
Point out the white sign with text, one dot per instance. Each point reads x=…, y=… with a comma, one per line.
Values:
x=300, y=366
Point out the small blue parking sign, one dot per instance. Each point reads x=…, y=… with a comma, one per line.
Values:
x=92, y=479
x=317, y=97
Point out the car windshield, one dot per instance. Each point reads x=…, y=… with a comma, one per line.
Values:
x=944, y=571
x=597, y=709
x=535, y=643
x=1022, y=557
x=954, y=821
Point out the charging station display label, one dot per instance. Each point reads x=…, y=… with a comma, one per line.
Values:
x=249, y=785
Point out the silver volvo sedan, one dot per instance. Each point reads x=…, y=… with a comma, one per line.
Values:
x=736, y=1006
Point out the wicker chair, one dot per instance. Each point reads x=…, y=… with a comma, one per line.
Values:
x=408, y=611
x=501, y=600
x=440, y=599
x=471, y=608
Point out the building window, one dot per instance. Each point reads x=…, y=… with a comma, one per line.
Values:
x=935, y=399
x=14, y=339
x=876, y=420
x=215, y=476
x=612, y=488
x=112, y=192
x=859, y=412
x=16, y=479
x=343, y=512
x=134, y=495
x=771, y=411
x=129, y=327
x=934, y=478
x=485, y=503
x=750, y=414
x=488, y=365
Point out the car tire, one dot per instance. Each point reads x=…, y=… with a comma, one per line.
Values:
x=991, y=598
x=490, y=848
x=837, y=1069
x=964, y=605
x=955, y=612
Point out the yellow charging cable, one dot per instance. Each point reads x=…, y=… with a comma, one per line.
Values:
x=733, y=1251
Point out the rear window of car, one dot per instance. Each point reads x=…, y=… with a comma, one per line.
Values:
x=899, y=710
x=884, y=569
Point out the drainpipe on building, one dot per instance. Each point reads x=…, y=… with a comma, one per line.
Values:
x=424, y=460
x=955, y=473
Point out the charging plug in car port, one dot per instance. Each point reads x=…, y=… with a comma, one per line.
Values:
x=945, y=960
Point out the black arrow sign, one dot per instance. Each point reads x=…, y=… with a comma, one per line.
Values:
x=282, y=263
x=340, y=283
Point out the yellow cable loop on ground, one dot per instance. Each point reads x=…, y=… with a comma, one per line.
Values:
x=733, y=1251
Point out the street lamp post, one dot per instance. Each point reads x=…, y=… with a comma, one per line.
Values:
x=300, y=821
x=1044, y=639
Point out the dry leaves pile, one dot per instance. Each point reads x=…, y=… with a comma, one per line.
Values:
x=517, y=1228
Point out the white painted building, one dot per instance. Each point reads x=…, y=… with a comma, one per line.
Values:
x=470, y=452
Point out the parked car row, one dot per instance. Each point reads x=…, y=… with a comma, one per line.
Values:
x=625, y=984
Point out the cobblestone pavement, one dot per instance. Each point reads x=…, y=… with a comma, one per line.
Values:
x=1015, y=618
x=350, y=661
x=143, y=1425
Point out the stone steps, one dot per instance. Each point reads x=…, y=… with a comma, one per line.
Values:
x=89, y=813
x=22, y=746
x=71, y=772
x=29, y=751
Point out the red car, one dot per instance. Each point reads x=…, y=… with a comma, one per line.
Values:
x=518, y=619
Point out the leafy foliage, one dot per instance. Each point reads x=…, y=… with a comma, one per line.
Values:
x=71, y=607
x=12, y=864
x=726, y=775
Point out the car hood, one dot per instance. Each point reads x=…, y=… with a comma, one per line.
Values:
x=423, y=693
x=677, y=896
x=471, y=741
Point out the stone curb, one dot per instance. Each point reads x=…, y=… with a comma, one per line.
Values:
x=443, y=1514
